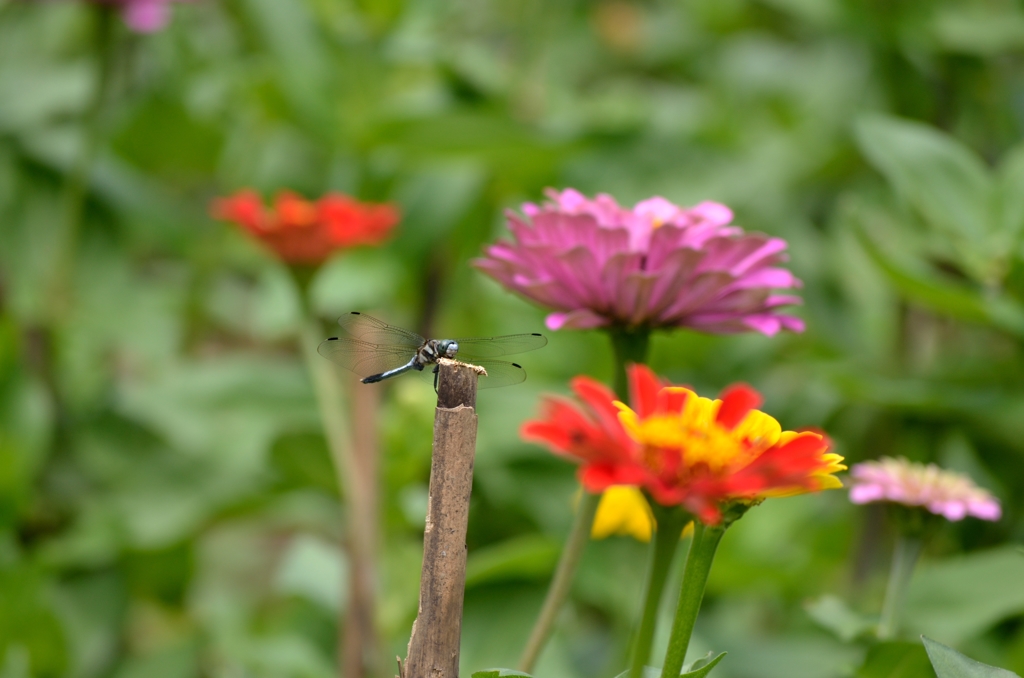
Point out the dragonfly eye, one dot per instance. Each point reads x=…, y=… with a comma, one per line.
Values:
x=451, y=349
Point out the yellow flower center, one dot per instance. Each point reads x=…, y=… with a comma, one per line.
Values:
x=704, y=445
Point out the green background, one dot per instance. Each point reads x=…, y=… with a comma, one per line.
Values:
x=167, y=504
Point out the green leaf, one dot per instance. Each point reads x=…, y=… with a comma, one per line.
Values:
x=294, y=39
x=984, y=29
x=174, y=660
x=949, y=663
x=527, y=557
x=1011, y=195
x=698, y=668
x=832, y=613
x=315, y=570
x=702, y=667
x=919, y=284
x=897, y=659
x=960, y=598
x=649, y=672
x=29, y=625
x=940, y=177
x=500, y=673
x=355, y=279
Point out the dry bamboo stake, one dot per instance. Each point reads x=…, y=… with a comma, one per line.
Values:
x=434, y=645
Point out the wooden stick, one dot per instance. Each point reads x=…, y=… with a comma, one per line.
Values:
x=434, y=645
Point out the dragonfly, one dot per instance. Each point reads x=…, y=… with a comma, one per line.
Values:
x=376, y=351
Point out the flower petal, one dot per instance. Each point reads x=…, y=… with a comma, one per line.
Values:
x=737, y=401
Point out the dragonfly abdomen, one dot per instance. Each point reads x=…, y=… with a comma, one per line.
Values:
x=411, y=365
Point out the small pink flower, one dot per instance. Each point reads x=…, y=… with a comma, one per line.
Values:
x=146, y=16
x=142, y=16
x=655, y=265
x=942, y=492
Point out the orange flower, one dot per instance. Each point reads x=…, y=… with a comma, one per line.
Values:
x=683, y=449
x=303, y=232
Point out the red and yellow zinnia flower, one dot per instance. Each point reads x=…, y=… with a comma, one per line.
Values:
x=683, y=449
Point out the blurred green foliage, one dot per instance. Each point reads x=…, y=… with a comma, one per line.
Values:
x=167, y=503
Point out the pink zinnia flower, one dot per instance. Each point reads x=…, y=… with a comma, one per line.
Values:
x=655, y=265
x=942, y=492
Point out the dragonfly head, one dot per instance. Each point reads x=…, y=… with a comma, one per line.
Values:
x=447, y=348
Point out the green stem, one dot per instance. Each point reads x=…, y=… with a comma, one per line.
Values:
x=579, y=535
x=670, y=523
x=78, y=178
x=698, y=566
x=330, y=403
x=904, y=558
x=358, y=496
x=629, y=346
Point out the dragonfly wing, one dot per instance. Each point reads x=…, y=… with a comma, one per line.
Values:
x=363, y=327
x=363, y=357
x=494, y=347
x=500, y=373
